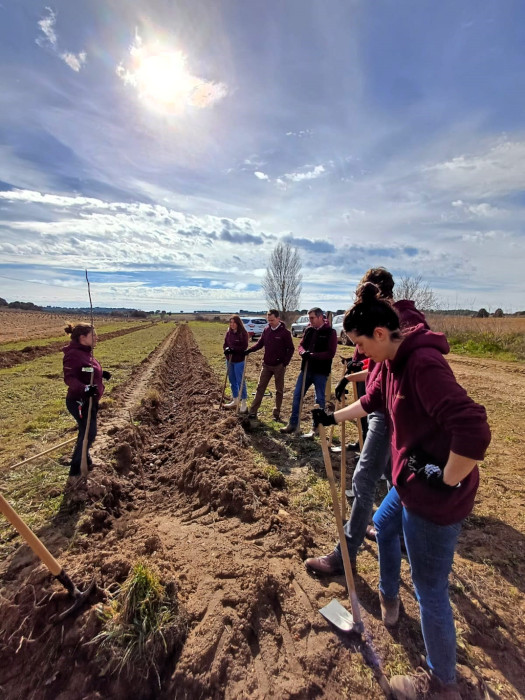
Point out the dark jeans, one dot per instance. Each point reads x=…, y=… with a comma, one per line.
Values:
x=73, y=407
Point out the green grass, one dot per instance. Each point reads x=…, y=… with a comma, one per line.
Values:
x=141, y=625
x=33, y=417
x=39, y=342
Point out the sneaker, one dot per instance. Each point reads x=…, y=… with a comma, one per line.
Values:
x=231, y=404
x=389, y=610
x=288, y=429
x=310, y=435
x=243, y=407
x=422, y=685
x=329, y=565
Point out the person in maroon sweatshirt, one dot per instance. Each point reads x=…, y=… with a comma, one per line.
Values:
x=438, y=434
x=79, y=365
x=278, y=346
x=234, y=346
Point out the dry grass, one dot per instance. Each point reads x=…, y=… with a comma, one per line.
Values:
x=499, y=338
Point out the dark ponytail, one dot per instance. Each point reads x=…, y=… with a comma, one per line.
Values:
x=370, y=312
x=76, y=331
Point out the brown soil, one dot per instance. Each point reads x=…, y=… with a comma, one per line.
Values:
x=182, y=490
x=10, y=358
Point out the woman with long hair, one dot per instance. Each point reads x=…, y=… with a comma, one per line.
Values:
x=438, y=435
x=83, y=376
x=235, y=343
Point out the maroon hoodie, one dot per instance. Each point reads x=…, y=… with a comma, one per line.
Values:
x=278, y=345
x=428, y=410
x=236, y=341
x=409, y=317
x=76, y=357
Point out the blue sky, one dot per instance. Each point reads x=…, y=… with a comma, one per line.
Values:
x=168, y=147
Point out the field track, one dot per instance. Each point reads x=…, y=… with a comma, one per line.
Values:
x=10, y=358
x=182, y=490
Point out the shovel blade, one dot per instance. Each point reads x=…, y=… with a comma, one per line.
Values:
x=338, y=615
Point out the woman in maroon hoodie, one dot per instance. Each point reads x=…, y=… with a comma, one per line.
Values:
x=438, y=434
x=235, y=343
x=79, y=367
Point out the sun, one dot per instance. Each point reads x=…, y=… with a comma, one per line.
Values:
x=164, y=80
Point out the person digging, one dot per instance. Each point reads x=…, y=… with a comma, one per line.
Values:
x=83, y=376
x=317, y=350
x=438, y=435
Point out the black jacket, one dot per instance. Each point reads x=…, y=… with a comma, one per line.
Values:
x=322, y=342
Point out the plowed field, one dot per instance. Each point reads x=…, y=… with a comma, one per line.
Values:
x=184, y=489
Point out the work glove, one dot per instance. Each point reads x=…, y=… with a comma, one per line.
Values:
x=228, y=351
x=305, y=354
x=247, y=351
x=354, y=366
x=340, y=389
x=320, y=416
x=91, y=390
x=431, y=474
x=106, y=375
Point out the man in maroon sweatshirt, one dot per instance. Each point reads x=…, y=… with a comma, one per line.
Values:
x=278, y=346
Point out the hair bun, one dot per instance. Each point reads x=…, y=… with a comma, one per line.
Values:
x=367, y=293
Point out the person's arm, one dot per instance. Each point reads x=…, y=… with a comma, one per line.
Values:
x=258, y=345
x=457, y=468
x=289, y=349
x=357, y=376
x=355, y=410
x=72, y=367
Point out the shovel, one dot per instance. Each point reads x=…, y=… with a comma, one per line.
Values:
x=334, y=612
x=305, y=370
x=242, y=385
x=359, y=425
x=220, y=406
x=47, y=558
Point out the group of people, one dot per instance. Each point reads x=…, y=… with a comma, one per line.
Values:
x=424, y=433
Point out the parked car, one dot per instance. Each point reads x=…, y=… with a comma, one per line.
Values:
x=254, y=326
x=337, y=325
x=299, y=325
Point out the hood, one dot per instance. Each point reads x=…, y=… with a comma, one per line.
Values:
x=73, y=345
x=409, y=316
x=419, y=337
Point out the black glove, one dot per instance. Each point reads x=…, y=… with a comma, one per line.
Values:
x=340, y=389
x=353, y=366
x=430, y=473
x=106, y=375
x=247, y=351
x=319, y=415
x=306, y=354
x=91, y=390
x=228, y=351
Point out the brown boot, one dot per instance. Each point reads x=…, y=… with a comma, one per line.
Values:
x=288, y=429
x=329, y=565
x=422, y=685
x=389, y=610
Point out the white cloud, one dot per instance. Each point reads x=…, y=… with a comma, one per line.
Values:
x=308, y=175
x=50, y=40
x=261, y=176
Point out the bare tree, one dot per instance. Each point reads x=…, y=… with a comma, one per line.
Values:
x=282, y=282
x=414, y=288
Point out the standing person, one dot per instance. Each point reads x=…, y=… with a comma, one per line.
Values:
x=234, y=346
x=438, y=434
x=374, y=460
x=79, y=364
x=317, y=350
x=278, y=346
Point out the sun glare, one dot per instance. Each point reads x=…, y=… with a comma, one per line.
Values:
x=164, y=82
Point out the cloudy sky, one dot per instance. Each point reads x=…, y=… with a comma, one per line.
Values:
x=168, y=146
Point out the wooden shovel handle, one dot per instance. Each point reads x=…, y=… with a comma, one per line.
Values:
x=359, y=425
x=29, y=536
x=340, y=528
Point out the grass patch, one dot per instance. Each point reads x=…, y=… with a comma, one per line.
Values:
x=274, y=476
x=315, y=495
x=142, y=625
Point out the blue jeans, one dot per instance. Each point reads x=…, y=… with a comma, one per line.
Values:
x=373, y=463
x=79, y=413
x=319, y=382
x=430, y=549
x=235, y=377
